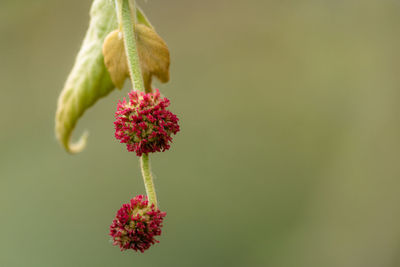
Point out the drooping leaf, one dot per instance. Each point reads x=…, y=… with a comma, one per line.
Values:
x=115, y=58
x=153, y=54
x=89, y=79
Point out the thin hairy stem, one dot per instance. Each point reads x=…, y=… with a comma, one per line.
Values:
x=126, y=10
x=148, y=179
x=128, y=17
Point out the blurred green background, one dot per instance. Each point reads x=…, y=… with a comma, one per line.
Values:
x=288, y=154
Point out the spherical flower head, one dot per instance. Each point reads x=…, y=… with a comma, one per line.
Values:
x=136, y=224
x=144, y=123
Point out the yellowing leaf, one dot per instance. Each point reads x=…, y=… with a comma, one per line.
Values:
x=115, y=58
x=153, y=55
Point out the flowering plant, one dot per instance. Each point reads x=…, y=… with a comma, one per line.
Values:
x=122, y=43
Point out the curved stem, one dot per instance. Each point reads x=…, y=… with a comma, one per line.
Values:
x=148, y=179
x=127, y=16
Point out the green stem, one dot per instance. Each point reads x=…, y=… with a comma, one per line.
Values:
x=148, y=179
x=127, y=16
x=126, y=10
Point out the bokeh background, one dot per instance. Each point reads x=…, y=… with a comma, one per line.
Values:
x=288, y=154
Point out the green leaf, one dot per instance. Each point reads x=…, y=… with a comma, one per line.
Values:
x=89, y=79
x=142, y=19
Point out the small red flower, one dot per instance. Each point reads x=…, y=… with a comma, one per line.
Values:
x=144, y=123
x=136, y=224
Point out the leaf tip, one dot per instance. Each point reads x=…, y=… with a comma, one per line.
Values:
x=77, y=147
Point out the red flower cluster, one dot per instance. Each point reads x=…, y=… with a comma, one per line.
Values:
x=136, y=224
x=144, y=124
